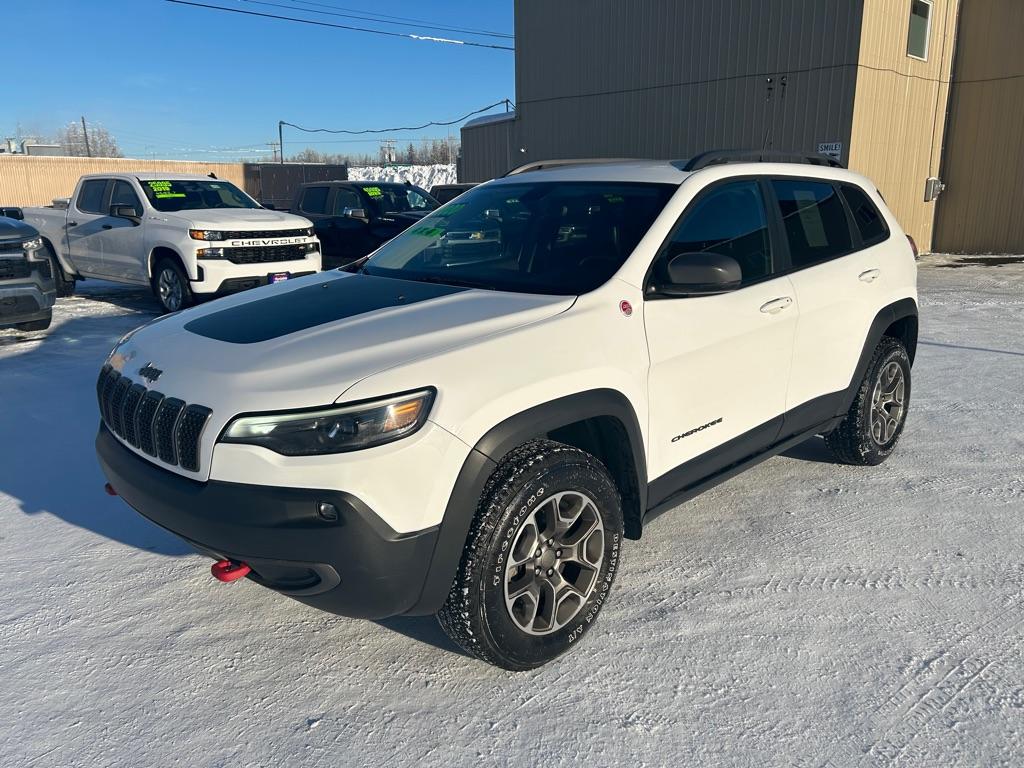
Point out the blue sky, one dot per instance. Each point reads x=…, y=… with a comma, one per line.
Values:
x=177, y=81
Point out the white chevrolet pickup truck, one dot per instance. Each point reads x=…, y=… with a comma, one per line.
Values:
x=184, y=236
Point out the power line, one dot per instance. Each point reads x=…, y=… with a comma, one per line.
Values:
x=382, y=15
x=426, y=25
x=404, y=36
x=506, y=102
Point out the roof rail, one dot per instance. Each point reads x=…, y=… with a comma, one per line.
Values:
x=723, y=156
x=542, y=164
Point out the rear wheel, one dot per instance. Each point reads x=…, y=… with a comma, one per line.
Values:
x=540, y=558
x=874, y=423
x=170, y=285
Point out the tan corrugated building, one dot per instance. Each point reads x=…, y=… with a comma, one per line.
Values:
x=901, y=90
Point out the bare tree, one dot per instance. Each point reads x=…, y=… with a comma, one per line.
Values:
x=100, y=142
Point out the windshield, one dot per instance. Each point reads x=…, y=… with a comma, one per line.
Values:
x=561, y=238
x=399, y=198
x=188, y=195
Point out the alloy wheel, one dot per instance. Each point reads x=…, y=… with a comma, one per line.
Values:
x=888, y=403
x=553, y=563
x=170, y=289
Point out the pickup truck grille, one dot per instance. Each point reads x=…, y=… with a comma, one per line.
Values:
x=14, y=268
x=258, y=235
x=265, y=254
x=164, y=427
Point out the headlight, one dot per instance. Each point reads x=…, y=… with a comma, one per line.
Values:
x=337, y=429
x=205, y=234
x=33, y=245
x=209, y=253
x=309, y=231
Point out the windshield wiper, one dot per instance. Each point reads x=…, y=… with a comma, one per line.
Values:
x=444, y=280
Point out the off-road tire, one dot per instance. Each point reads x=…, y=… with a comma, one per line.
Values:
x=852, y=441
x=36, y=325
x=174, y=270
x=65, y=285
x=475, y=615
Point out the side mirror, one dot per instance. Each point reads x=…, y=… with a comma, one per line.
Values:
x=13, y=213
x=696, y=274
x=129, y=212
x=355, y=213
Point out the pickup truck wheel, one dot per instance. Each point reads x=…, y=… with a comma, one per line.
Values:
x=36, y=325
x=874, y=423
x=540, y=558
x=170, y=284
x=65, y=285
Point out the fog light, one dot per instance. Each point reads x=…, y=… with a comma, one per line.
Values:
x=327, y=511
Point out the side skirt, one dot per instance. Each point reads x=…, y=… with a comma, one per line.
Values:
x=695, y=489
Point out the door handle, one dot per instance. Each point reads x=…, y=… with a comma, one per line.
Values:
x=108, y=226
x=775, y=306
x=72, y=223
x=869, y=276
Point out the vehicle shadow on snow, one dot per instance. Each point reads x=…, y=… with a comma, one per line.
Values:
x=48, y=420
x=812, y=450
x=424, y=629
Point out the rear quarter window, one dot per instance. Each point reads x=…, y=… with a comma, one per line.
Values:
x=870, y=222
x=314, y=200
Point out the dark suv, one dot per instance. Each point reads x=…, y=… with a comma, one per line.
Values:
x=353, y=218
x=27, y=290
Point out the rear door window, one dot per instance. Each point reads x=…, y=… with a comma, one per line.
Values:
x=729, y=220
x=314, y=200
x=870, y=223
x=90, y=196
x=814, y=219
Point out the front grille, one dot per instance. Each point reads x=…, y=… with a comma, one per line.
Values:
x=163, y=427
x=13, y=269
x=227, y=235
x=265, y=254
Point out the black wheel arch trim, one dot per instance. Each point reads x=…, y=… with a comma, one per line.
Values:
x=534, y=422
x=886, y=317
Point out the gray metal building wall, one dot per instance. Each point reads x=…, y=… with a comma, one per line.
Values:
x=489, y=149
x=669, y=78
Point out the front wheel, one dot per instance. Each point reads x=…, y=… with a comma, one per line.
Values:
x=170, y=285
x=540, y=558
x=65, y=285
x=874, y=423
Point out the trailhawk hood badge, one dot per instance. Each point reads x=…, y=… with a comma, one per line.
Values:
x=149, y=372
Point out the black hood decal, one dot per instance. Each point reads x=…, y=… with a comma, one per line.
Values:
x=282, y=313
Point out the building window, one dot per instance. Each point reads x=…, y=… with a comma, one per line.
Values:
x=920, y=29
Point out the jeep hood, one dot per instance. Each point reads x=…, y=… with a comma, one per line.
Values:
x=305, y=342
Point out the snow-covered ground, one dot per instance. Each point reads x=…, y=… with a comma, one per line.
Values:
x=804, y=613
x=424, y=176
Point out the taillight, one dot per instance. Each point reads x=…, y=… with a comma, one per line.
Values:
x=913, y=245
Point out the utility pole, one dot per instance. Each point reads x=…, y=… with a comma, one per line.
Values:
x=273, y=148
x=280, y=138
x=85, y=133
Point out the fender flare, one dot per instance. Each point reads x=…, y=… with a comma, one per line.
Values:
x=491, y=449
x=883, y=321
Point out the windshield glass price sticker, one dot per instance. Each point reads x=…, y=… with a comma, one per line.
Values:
x=373, y=191
x=163, y=190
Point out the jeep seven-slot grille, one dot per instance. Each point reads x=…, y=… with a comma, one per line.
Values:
x=164, y=427
x=265, y=254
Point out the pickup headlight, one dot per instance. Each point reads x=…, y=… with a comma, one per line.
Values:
x=33, y=245
x=337, y=429
x=205, y=234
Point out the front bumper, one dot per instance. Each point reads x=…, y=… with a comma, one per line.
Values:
x=353, y=566
x=25, y=302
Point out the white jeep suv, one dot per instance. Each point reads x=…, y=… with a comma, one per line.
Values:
x=471, y=420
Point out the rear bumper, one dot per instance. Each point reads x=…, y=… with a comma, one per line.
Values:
x=354, y=566
x=25, y=302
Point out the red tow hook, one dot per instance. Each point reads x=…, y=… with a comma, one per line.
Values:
x=229, y=570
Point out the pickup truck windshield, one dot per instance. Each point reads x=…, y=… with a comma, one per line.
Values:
x=561, y=238
x=187, y=195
